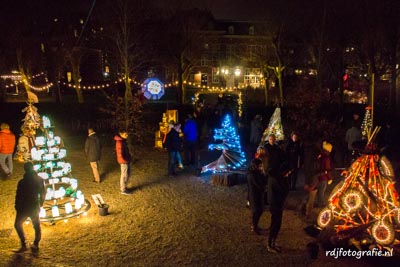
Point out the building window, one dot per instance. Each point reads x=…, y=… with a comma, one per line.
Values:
x=230, y=51
x=253, y=77
x=204, y=60
x=231, y=30
x=251, y=30
x=215, y=75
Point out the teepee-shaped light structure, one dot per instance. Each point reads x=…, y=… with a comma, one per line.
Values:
x=274, y=127
x=364, y=208
x=232, y=156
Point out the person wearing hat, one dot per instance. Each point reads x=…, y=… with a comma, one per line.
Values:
x=7, y=144
x=28, y=200
x=324, y=172
x=93, y=153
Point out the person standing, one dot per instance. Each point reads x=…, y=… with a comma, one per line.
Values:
x=93, y=153
x=324, y=172
x=256, y=130
x=353, y=135
x=124, y=160
x=295, y=156
x=29, y=198
x=278, y=188
x=257, y=182
x=173, y=144
x=190, y=135
x=7, y=144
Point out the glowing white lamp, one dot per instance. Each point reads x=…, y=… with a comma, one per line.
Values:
x=68, y=207
x=40, y=140
x=42, y=212
x=54, y=211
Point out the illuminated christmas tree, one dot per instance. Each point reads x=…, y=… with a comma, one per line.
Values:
x=232, y=157
x=63, y=198
x=274, y=127
x=364, y=210
x=366, y=125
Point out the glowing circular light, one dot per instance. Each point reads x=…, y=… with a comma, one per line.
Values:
x=397, y=216
x=383, y=233
x=324, y=217
x=352, y=201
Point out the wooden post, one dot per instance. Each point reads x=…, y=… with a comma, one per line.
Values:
x=372, y=101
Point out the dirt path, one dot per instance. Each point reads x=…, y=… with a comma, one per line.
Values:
x=180, y=221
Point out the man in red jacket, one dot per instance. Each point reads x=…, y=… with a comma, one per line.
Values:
x=123, y=159
x=7, y=144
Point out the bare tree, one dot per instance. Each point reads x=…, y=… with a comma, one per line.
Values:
x=183, y=40
x=127, y=34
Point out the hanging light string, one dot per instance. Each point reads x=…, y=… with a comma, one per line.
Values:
x=107, y=85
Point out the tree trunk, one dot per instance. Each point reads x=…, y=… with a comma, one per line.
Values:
x=279, y=73
x=266, y=95
x=393, y=79
x=76, y=78
x=180, y=95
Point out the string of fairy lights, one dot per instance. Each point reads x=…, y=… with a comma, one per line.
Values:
x=19, y=79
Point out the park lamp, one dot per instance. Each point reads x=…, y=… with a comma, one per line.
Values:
x=237, y=72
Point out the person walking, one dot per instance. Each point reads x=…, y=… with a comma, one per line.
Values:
x=173, y=144
x=7, y=144
x=124, y=160
x=257, y=182
x=278, y=171
x=29, y=198
x=190, y=137
x=93, y=153
x=295, y=156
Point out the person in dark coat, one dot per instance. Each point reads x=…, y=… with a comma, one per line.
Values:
x=173, y=144
x=278, y=171
x=190, y=135
x=29, y=198
x=93, y=152
x=295, y=156
x=257, y=182
x=124, y=160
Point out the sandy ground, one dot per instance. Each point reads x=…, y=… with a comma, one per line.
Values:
x=180, y=221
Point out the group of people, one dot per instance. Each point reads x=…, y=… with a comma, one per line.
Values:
x=173, y=144
x=273, y=173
